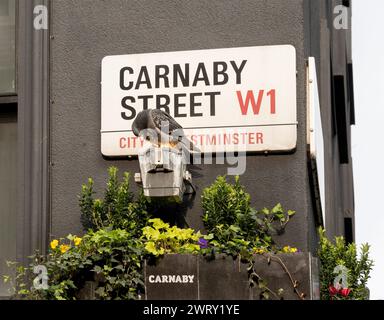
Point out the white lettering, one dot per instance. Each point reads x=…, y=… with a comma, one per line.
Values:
x=153, y=310
x=184, y=278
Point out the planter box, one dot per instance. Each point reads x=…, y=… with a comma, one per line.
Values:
x=192, y=277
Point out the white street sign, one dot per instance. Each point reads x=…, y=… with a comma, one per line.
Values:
x=236, y=99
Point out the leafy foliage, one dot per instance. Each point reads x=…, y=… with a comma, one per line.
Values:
x=161, y=239
x=110, y=258
x=235, y=225
x=118, y=210
x=223, y=202
x=342, y=254
x=120, y=235
x=238, y=229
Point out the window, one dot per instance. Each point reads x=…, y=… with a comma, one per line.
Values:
x=351, y=94
x=346, y=3
x=7, y=47
x=341, y=118
x=348, y=230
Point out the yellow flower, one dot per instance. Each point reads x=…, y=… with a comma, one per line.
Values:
x=54, y=244
x=288, y=249
x=64, y=248
x=77, y=241
x=258, y=250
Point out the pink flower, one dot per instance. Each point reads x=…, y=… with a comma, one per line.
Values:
x=345, y=292
x=338, y=287
x=333, y=291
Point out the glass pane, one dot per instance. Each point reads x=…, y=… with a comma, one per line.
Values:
x=7, y=47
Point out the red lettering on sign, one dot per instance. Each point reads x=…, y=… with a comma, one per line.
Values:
x=227, y=139
x=208, y=139
x=250, y=99
x=211, y=140
x=235, y=138
x=130, y=142
x=272, y=94
x=259, y=138
x=123, y=143
x=251, y=138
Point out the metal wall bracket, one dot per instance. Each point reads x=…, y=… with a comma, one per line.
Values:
x=163, y=173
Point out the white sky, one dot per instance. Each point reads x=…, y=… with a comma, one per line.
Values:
x=367, y=135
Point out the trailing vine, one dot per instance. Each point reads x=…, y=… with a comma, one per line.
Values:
x=120, y=234
x=238, y=229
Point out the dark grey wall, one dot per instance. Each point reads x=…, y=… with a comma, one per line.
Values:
x=332, y=49
x=8, y=190
x=33, y=132
x=85, y=31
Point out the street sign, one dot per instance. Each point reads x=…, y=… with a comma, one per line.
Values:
x=236, y=99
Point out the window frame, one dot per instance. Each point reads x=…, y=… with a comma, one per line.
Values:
x=11, y=97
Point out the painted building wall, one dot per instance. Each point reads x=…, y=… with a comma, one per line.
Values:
x=58, y=108
x=59, y=72
x=8, y=190
x=86, y=31
x=332, y=49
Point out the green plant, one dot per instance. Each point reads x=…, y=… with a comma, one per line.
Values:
x=111, y=259
x=358, y=268
x=19, y=280
x=120, y=236
x=110, y=255
x=223, y=202
x=118, y=209
x=235, y=225
x=238, y=229
x=161, y=239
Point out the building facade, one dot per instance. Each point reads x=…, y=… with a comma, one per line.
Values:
x=50, y=107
